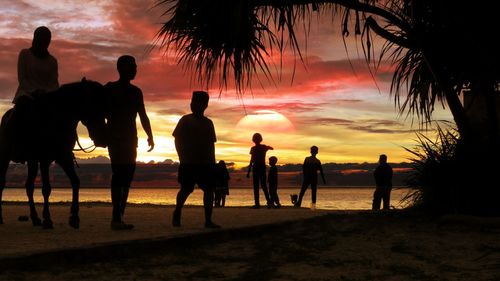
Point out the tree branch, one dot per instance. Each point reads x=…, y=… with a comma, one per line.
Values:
x=399, y=40
x=349, y=4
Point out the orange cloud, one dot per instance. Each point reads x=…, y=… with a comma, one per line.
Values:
x=333, y=101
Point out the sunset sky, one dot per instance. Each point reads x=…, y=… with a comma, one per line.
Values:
x=329, y=104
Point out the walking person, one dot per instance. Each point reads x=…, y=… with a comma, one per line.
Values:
x=258, y=164
x=383, y=182
x=310, y=170
x=195, y=144
x=124, y=102
x=272, y=179
x=221, y=184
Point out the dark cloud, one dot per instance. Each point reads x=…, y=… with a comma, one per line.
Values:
x=346, y=101
x=380, y=126
x=171, y=111
x=328, y=121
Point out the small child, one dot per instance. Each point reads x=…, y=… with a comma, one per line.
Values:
x=272, y=179
x=258, y=163
x=310, y=170
x=221, y=184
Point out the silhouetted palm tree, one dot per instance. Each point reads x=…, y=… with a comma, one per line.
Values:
x=440, y=49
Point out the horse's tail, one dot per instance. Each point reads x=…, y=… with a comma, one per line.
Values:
x=5, y=133
x=4, y=122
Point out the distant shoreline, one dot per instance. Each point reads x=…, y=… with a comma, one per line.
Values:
x=235, y=187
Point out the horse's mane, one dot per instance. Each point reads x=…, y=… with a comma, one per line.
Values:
x=69, y=90
x=70, y=87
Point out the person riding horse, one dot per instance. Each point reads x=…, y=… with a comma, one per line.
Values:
x=56, y=119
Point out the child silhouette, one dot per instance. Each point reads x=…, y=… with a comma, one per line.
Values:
x=221, y=184
x=272, y=179
x=258, y=163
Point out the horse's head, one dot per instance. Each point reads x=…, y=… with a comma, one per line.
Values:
x=92, y=110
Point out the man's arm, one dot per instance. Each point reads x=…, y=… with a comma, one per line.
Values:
x=321, y=172
x=21, y=70
x=55, y=82
x=178, y=147
x=21, y=67
x=146, y=125
x=249, y=169
x=250, y=164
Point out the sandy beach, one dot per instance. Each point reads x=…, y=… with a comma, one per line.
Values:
x=264, y=244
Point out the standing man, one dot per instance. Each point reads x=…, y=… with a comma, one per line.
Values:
x=383, y=180
x=195, y=144
x=124, y=101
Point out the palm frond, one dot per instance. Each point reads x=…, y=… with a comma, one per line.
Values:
x=432, y=181
x=211, y=37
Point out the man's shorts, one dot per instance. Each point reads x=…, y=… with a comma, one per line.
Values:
x=201, y=174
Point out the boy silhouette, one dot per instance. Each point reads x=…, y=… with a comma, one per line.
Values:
x=272, y=179
x=383, y=181
x=258, y=163
x=310, y=170
x=195, y=144
x=124, y=102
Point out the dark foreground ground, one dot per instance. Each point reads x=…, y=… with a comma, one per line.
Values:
x=336, y=246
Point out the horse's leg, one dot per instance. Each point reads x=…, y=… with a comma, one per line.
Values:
x=46, y=190
x=69, y=168
x=30, y=189
x=4, y=165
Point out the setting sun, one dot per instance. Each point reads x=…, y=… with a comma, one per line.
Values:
x=265, y=121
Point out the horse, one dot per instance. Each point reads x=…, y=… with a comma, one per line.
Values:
x=44, y=131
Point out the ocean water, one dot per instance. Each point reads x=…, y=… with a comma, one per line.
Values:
x=338, y=198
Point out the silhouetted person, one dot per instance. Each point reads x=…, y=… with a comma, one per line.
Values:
x=37, y=70
x=37, y=73
x=310, y=170
x=272, y=179
x=258, y=163
x=383, y=181
x=221, y=184
x=195, y=144
x=124, y=101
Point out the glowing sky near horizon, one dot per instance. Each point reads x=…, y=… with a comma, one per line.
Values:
x=333, y=103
